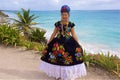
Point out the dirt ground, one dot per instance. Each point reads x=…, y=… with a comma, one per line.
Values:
x=19, y=64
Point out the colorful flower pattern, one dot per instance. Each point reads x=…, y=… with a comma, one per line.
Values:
x=58, y=51
x=78, y=54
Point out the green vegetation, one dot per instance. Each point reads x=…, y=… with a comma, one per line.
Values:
x=8, y=35
x=11, y=36
x=33, y=46
x=108, y=62
x=38, y=36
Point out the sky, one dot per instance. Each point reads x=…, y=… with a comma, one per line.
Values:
x=56, y=4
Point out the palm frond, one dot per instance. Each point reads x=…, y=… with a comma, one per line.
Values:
x=21, y=18
x=25, y=20
x=26, y=15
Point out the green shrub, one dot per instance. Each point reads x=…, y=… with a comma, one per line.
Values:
x=8, y=35
x=86, y=56
x=38, y=36
x=106, y=61
x=29, y=45
x=33, y=45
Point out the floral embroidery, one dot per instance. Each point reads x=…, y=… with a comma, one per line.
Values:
x=67, y=35
x=64, y=31
x=68, y=60
x=78, y=54
x=58, y=51
x=44, y=52
x=52, y=58
x=59, y=27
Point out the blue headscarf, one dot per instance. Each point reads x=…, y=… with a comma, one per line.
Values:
x=65, y=8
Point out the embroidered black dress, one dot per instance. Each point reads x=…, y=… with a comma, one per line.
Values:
x=63, y=49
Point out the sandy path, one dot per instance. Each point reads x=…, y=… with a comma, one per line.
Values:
x=18, y=64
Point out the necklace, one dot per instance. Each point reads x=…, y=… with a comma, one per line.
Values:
x=64, y=27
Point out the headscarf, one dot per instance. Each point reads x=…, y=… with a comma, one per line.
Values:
x=65, y=8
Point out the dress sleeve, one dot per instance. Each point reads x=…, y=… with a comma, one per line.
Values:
x=72, y=24
x=56, y=24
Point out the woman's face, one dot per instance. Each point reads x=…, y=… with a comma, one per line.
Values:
x=64, y=16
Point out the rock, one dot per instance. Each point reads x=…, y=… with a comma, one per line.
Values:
x=3, y=14
x=4, y=18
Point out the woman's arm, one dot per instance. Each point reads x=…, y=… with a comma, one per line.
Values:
x=53, y=35
x=74, y=35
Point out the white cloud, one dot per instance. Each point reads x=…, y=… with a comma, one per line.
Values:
x=57, y=1
x=56, y=4
x=104, y=0
x=16, y=2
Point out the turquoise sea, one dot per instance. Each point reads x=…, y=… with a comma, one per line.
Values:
x=97, y=30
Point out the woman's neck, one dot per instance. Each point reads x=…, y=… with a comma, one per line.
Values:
x=64, y=22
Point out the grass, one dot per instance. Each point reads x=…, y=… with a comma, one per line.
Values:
x=109, y=62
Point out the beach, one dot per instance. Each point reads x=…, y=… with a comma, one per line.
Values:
x=20, y=64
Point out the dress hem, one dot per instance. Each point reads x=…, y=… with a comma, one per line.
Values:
x=64, y=72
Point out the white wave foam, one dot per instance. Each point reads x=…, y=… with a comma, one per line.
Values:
x=99, y=48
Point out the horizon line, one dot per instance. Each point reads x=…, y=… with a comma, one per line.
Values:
x=59, y=10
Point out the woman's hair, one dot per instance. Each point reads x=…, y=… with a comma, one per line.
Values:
x=65, y=8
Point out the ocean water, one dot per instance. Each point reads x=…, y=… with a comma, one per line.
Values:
x=97, y=30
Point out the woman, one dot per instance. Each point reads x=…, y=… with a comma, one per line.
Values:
x=63, y=56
